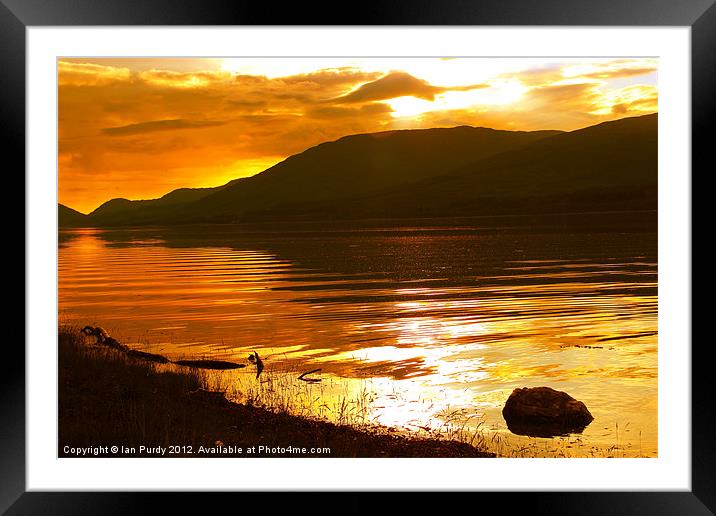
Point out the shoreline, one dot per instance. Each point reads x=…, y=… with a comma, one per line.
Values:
x=421, y=222
x=108, y=399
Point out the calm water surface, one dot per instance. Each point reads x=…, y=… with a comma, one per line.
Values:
x=431, y=320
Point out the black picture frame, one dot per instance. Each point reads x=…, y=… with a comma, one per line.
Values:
x=700, y=15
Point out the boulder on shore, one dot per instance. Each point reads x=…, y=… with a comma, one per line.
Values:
x=544, y=412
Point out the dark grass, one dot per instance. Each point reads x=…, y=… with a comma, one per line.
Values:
x=107, y=398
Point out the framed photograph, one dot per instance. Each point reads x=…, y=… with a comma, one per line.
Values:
x=417, y=250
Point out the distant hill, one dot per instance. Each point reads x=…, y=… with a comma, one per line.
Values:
x=430, y=172
x=120, y=212
x=356, y=165
x=609, y=166
x=67, y=217
x=347, y=167
x=606, y=167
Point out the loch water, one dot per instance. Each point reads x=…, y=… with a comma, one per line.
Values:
x=433, y=316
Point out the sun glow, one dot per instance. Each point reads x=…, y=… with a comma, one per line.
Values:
x=498, y=93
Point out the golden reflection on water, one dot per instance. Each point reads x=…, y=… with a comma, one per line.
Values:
x=426, y=324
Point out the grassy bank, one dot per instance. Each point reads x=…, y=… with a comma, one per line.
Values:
x=107, y=398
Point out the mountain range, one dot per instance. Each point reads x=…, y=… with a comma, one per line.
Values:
x=456, y=171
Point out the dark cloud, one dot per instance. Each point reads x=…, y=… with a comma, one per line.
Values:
x=619, y=109
x=647, y=103
x=399, y=84
x=160, y=125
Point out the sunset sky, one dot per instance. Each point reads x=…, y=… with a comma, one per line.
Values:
x=139, y=128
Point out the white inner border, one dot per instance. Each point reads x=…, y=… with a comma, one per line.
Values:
x=670, y=471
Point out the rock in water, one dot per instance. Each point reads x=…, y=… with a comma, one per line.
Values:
x=544, y=412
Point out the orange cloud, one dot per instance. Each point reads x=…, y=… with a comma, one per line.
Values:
x=160, y=125
x=184, y=79
x=330, y=112
x=333, y=77
x=89, y=74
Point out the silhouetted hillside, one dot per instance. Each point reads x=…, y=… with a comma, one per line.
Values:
x=125, y=212
x=431, y=172
x=69, y=218
x=610, y=166
x=357, y=165
x=350, y=166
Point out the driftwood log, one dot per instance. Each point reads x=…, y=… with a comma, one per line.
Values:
x=103, y=338
x=304, y=376
x=209, y=364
